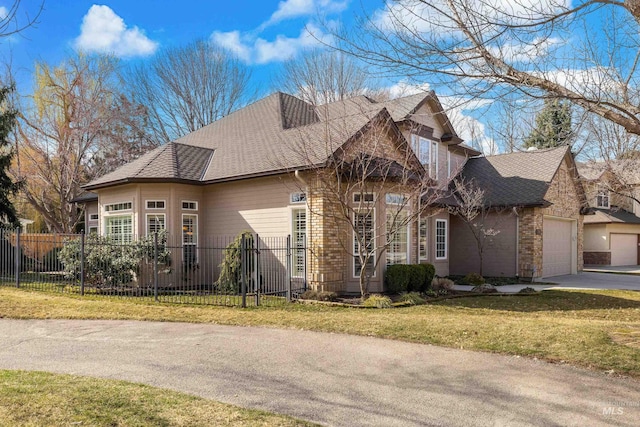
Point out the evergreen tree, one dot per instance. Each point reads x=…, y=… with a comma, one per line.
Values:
x=8, y=188
x=553, y=126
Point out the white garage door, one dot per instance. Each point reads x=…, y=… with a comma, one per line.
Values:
x=556, y=247
x=624, y=249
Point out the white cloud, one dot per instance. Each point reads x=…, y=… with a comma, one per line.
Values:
x=4, y=12
x=288, y=9
x=525, y=52
x=103, y=31
x=261, y=51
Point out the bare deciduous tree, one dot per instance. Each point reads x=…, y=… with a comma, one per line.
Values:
x=186, y=88
x=16, y=17
x=585, y=52
x=319, y=77
x=70, y=131
x=472, y=209
x=366, y=191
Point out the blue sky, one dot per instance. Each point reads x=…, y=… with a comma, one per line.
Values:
x=263, y=33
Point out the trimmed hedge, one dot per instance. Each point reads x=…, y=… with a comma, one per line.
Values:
x=399, y=278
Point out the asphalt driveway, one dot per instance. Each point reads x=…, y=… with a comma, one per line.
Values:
x=328, y=378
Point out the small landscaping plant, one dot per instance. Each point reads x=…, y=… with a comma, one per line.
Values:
x=412, y=298
x=527, y=290
x=484, y=288
x=319, y=295
x=473, y=279
x=377, y=301
x=401, y=278
x=442, y=284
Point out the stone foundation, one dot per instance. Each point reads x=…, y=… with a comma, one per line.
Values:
x=597, y=258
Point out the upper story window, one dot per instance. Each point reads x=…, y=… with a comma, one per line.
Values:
x=189, y=206
x=299, y=197
x=363, y=197
x=114, y=207
x=395, y=199
x=427, y=152
x=155, y=204
x=602, y=199
x=93, y=217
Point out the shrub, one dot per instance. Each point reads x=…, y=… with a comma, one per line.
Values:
x=230, y=268
x=108, y=263
x=484, y=288
x=401, y=278
x=441, y=284
x=527, y=290
x=429, y=273
x=377, y=301
x=473, y=279
x=413, y=298
x=319, y=295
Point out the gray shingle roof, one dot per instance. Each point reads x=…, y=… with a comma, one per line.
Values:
x=279, y=132
x=607, y=216
x=515, y=179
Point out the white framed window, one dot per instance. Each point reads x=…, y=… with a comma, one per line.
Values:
x=119, y=229
x=423, y=238
x=363, y=197
x=93, y=230
x=395, y=199
x=298, y=197
x=188, y=205
x=156, y=204
x=189, y=239
x=397, y=237
x=93, y=217
x=364, y=237
x=427, y=153
x=116, y=207
x=155, y=223
x=441, y=239
x=298, y=241
x=602, y=199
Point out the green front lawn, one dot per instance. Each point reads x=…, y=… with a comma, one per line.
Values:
x=564, y=326
x=43, y=399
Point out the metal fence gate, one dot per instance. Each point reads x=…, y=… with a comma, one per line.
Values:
x=245, y=270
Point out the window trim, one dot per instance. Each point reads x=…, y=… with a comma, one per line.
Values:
x=603, y=194
x=118, y=211
x=446, y=235
x=110, y=218
x=91, y=217
x=146, y=204
x=197, y=233
x=93, y=229
x=195, y=209
x=402, y=202
x=433, y=174
x=298, y=193
x=364, y=196
x=426, y=243
x=448, y=164
x=146, y=221
x=408, y=237
x=353, y=241
x=292, y=211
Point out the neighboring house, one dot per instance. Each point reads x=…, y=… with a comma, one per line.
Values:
x=612, y=233
x=246, y=172
x=537, y=203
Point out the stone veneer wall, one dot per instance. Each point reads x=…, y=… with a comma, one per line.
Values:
x=565, y=199
x=597, y=258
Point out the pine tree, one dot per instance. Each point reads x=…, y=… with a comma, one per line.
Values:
x=553, y=126
x=8, y=188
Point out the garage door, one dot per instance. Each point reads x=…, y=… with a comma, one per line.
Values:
x=624, y=249
x=556, y=247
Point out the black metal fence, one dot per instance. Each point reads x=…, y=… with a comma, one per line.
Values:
x=246, y=270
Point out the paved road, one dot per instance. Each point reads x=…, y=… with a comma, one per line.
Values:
x=328, y=378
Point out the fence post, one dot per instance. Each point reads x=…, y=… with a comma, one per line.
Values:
x=304, y=265
x=18, y=252
x=155, y=266
x=244, y=268
x=256, y=266
x=82, y=242
x=289, y=267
